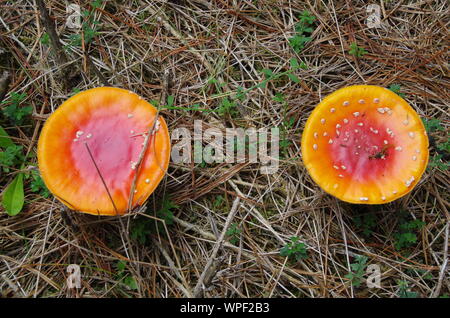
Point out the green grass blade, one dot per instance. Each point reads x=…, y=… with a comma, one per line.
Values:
x=5, y=140
x=13, y=196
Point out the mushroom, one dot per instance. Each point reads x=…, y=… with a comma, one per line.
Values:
x=371, y=149
x=89, y=149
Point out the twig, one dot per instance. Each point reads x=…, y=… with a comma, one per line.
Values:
x=147, y=139
x=249, y=255
x=61, y=56
x=42, y=251
x=172, y=265
x=437, y=291
x=16, y=285
x=49, y=25
x=206, y=272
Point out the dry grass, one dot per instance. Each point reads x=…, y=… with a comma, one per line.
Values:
x=230, y=41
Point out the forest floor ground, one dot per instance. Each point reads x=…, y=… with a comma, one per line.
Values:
x=287, y=237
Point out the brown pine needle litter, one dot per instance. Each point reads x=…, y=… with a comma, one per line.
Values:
x=226, y=230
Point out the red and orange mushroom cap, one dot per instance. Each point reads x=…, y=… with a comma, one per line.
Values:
x=365, y=144
x=104, y=127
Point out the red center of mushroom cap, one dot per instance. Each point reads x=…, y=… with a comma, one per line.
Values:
x=362, y=148
x=115, y=141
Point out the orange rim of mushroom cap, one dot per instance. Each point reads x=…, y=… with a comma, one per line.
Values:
x=365, y=144
x=113, y=122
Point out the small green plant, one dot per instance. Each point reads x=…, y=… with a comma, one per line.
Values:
x=403, y=290
x=45, y=39
x=432, y=125
x=303, y=31
x=396, y=88
x=12, y=195
x=89, y=27
x=366, y=223
x=96, y=4
x=203, y=164
x=406, y=236
x=444, y=146
x=170, y=101
x=170, y=105
x=75, y=91
x=285, y=143
x=165, y=212
x=140, y=230
x=442, y=149
x=426, y=275
x=357, y=51
x=13, y=109
x=11, y=157
x=438, y=162
x=142, y=227
x=294, y=250
x=122, y=276
x=227, y=107
x=228, y=100
x=218, y=201
x=358, y=270
x=5, y=140
x=233, y=233
x=288, y=122
x=38, y=186
x=279, y=97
